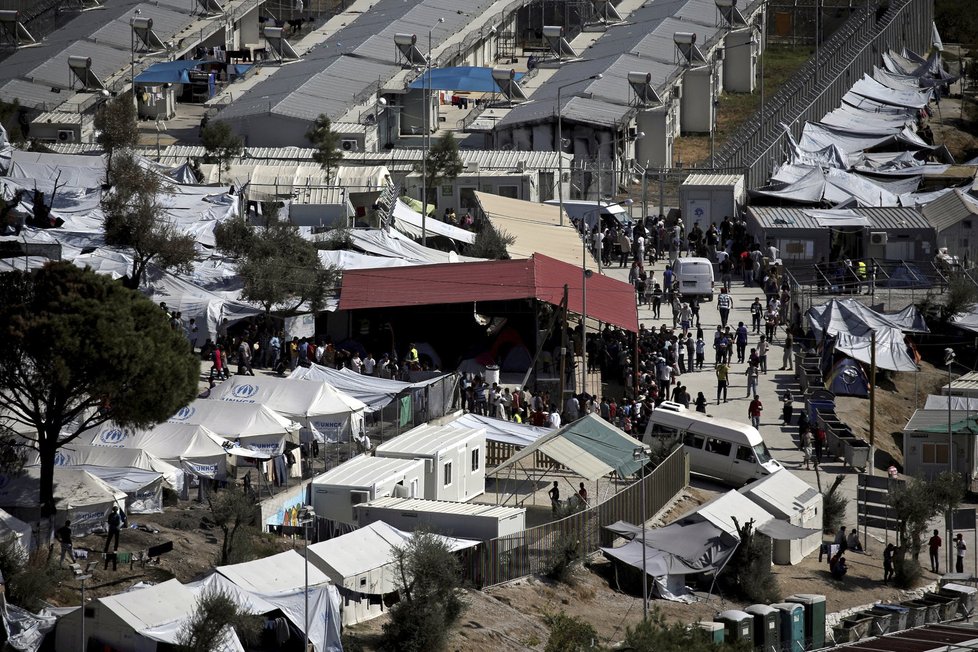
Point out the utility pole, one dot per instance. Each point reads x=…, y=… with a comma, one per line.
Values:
x=563, y=350
x=872, y=402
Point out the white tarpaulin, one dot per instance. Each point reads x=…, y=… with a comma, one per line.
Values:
x=375, y=392
x=872, y=89
x=78, y=495
x=143, y=489
x=346, y=260
x=395, y=245
x=499, y=430
x=325, y=413
x=408, y=221
x=76, y=454
x=830, y=219
x=13, y=526
x=280, y=580
x=251, y=425
x=25, y=631
x=850, y=316
x=194, y=448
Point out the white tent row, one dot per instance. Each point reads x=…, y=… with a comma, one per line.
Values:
x=77, y=454
x=78, y=495
x=325, y=413
x=361, y=565
x=287, y=178
x=345, y=260
x=374, y=391
x=395, y=245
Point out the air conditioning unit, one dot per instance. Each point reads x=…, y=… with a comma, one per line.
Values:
x=350, y=145
x=66, y=136
x=877, y=238
x=472, y=167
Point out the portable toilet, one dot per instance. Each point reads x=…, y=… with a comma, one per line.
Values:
x=767, y=627
x=738, y=625
x=814, y=617
x=792, y=626
x=713, y=631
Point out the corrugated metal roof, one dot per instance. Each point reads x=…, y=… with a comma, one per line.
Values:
x=933, y=421
x=713, y=179
x=332, y=77
x=106, y=61
x=32, y=96
x=166, y=24
x=887, y=219
x=58, y=117
x=445, y=507
x=644, y=43
x=946, y=211
x=429, y=439
x=366, y=471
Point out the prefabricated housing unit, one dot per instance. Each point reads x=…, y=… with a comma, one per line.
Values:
x=708, y=198
x=454, y=459
x=461, y=520
x=791, y=499
x=362, y=479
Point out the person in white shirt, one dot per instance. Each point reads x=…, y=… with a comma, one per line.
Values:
x=356, y=364
x=369, y=364
x=554, y=417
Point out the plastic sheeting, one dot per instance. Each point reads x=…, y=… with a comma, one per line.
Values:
x=375, y=392
x=78, y=495
x=504, y=432
x=408, y=221
x=25, y=631
x=678, y=549
x=874, y=90
x=853, y=318
x=395, y=245
x=344, y=260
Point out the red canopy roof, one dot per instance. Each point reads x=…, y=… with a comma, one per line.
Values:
x=541, y=277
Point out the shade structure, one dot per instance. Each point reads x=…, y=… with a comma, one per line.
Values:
x=590, y=447
x=538, y=277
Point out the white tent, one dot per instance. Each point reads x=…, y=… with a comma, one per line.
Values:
x=281, y=580
x=78, y=495
x=77, y=454
x=325, y=413
x=254, y=426
x=12, y=526
x=194, y=448
x=375, y=392
x=361, y=564
x=790, y=498
x=138, y=619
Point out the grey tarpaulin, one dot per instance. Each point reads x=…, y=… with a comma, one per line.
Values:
x=783, y=530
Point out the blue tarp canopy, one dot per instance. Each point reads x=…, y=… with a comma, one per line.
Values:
x=167, y=72
x=463, y=78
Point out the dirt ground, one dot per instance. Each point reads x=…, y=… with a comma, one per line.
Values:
x=897, y=397
x=512, y=616
x=196, y=550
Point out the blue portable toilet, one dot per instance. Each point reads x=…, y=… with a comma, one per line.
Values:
x=792, y=626
x=814, y=617
x=767, y=627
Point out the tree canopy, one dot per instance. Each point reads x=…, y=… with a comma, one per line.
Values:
x=281, y=269
x=222, y=145
x=327, y=143
x=217, y=610
x=81, y=349
x=115, y=122
x=442, y=163
x=135, y=219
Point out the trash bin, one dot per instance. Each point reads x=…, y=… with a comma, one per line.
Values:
x=968, y=596
x=856, y=453
x=879, y=621
x=792, y=626
x=738, y=625
x=814, y=618
x=931, y=611
x=916, y=613
x=947, y=607
x=714, y=631
x=767, y=627
x=852, y=628
x=899, y=614
x=492, y=375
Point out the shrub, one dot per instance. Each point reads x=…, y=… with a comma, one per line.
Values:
x=570, y=634
x=748, y=572
x=834, y=506
x=564, y=553
x=490, y=243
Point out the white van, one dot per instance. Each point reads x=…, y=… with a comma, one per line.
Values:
x=695, y=276
x=611, y=214
x=720, y=448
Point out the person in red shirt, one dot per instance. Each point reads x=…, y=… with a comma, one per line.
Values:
x=754, y=411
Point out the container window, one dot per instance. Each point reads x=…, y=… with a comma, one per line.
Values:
x=448, y=473
x=475, y=459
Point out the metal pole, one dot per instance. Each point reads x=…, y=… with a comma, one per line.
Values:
x=872, y=402
x=950, y=439
x=424, y=147
x=305, y=613
x=662, y=195
x=84, y=642
x=645, y=576
x=560, y=157
x=584, y=275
